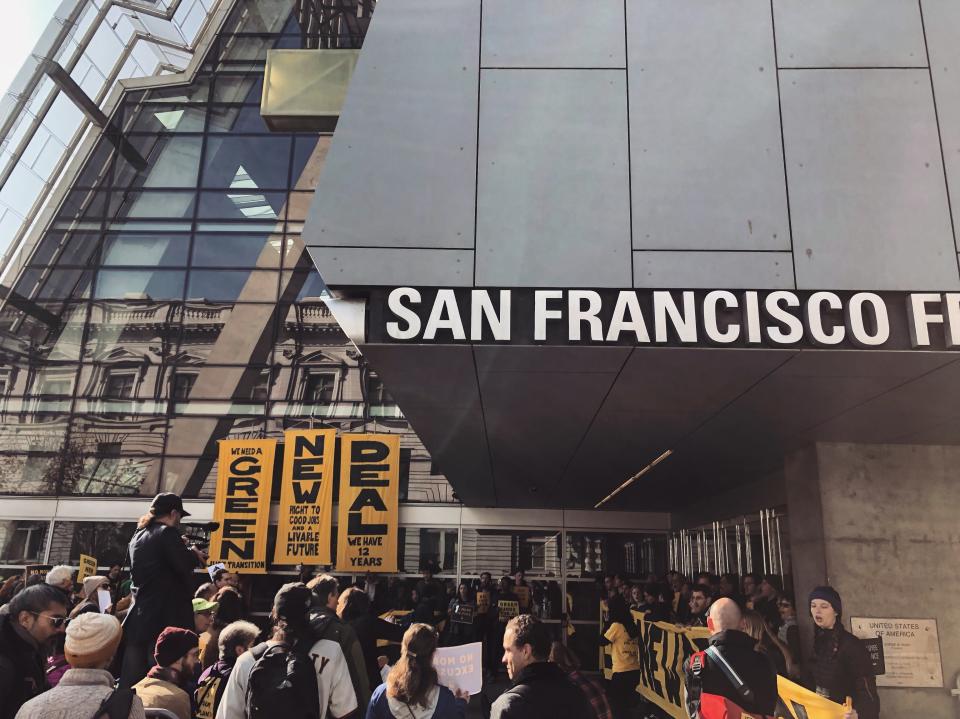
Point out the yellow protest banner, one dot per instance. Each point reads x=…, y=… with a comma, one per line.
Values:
x=522, y=593
x=663, y=649
x=802, y=703
x=306, y=497
x=369, y=502
x=507, y=609
x=88, y=568
x=242, y=504
x=483, y=602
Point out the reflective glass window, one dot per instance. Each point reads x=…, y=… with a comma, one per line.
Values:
x=247, y=163
x=66, y=249
x=22, y=429
x=503, y=551
x=213, y=250
x=241, y=204
x=240, y=88
x=135, y=205
x=162, y=117
x=34, y=473
x=237, y=118
x=158, y=161
x=22, y=541
x=120, y=330
x=145, y=250
x=106, y=541
x=233, y=285
x=139, y=284
x=48, y=331
x=54, y=285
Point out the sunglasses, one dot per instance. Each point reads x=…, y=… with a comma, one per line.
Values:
x=56, y=621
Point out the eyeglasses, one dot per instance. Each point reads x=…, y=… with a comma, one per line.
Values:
x=56, y=621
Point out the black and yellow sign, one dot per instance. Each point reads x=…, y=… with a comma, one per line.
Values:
x=369, y=503
x=508, y=609
x=483, y=602
x=88, y=568
x=522, y=593
x=242, y=507
x=463, y=613
x=306, y=497
x=34, y=569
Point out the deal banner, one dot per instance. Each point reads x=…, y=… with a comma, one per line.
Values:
x=369, y=503
x=242, y=506
x=664, y=648
x=306, y=497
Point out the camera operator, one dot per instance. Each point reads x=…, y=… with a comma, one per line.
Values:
x=161, y=566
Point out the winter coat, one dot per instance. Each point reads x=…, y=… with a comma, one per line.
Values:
x=441, y=704
x=325, y=624
x=542, y=691
x=78, y=696
x=162, y=570
x=841, y=668
x=22, y=671
x=753, y=668
x=369, y=629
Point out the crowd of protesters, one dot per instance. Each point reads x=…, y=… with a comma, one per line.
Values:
x=367, y=650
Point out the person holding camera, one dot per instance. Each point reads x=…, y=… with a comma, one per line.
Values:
x=161, y=567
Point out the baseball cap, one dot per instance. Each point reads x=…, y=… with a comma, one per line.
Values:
x=166, y=502
x=203, y=605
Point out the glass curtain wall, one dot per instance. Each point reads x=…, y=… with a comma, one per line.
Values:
x=171, y=303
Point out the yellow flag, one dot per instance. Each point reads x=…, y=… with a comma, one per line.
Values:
x=369, y=503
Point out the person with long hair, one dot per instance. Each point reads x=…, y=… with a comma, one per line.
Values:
x=621, y=632
x=353, y=607
x=412, y=689
x=229, y=610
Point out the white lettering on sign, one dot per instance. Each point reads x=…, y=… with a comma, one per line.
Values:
x=775, y=318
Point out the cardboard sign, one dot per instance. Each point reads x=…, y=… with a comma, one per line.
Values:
x=369, y=503
x=463, y=613
x=306, y=497
x=483, y=602
x=522, y=594
x=460, y=667
x=88, y=568
x=911, y=650
x=33, y=569
x=242, y=505
x=508, y=609
x=104, y=600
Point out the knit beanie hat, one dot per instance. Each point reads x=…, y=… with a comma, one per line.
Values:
x=92, y=639
x=172, y=644
x=91, y=585
x=827, y=594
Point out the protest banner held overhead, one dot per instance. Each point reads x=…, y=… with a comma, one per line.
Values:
x=88, y=567
x=306, y=497
x=242, y=506
x=369, y=503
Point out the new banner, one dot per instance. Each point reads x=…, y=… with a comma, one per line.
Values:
x=306, y=497
x=242, y=505
x=369, y=502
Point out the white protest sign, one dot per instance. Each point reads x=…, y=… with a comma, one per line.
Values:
x=214, y=568
x=460, y=667
x=104, y=599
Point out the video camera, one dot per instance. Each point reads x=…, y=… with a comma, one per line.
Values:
x=197, y=534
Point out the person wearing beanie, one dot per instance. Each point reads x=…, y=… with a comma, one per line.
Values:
x=88, y=593
x=841, y=665
x=91, y=641
x=165, y=687
x=291, y=628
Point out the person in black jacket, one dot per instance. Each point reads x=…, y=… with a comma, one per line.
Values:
x=705, y=676
x=841, y=665
x=541, y=689
x=353, y=607
x=161, y=566
x=34, y=616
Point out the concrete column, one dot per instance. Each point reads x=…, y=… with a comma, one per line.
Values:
x=879, y=523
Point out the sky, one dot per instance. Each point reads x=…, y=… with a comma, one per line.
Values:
x=24, y=21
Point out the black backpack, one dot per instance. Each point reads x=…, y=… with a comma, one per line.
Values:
x=282, y=683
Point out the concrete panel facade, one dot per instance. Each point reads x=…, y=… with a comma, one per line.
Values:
x=552, y=33
x=867, y=192
x=706, y=154
x=733, y=270
x=552, y=164
x=852, y=33
x=878, y=523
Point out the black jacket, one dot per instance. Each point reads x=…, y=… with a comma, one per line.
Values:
x=22, y=674
x=542, y=691
x=753, y=668
x=369, y=629
x=841, y=668
x=161, y=567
